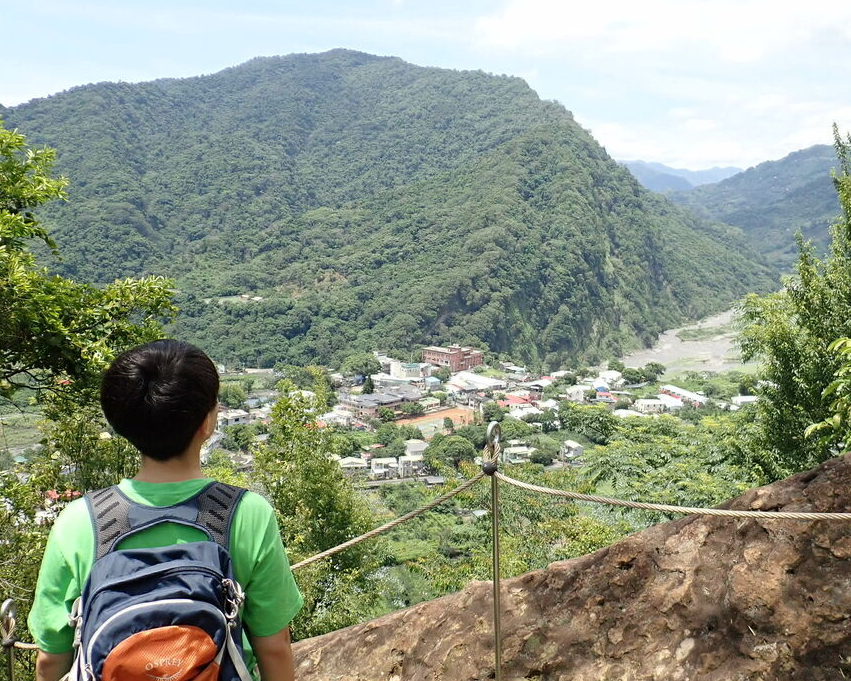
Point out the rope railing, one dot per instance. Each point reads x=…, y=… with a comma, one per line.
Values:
x=389, y=526
x=668, y=508
x=489, y=456
x=490, y=467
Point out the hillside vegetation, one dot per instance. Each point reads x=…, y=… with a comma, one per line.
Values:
x=774, y=200
x=369, y=202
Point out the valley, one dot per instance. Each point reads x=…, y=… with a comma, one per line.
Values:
x=381, y=259
x=707, y=345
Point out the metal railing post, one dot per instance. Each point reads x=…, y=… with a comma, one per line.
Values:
x=489, y=467
x=7, y=633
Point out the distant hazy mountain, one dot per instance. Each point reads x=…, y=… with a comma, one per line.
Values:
x=659, y=177
x=655, y=180
x=772, y=201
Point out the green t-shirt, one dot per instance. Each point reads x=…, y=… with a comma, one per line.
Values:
x=259, y=561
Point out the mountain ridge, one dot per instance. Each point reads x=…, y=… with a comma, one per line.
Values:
x=345, y=191
x=660, y=177
x=771, y=201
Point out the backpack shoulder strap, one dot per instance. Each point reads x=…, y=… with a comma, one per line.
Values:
x=216, y=508
x=108, y=509
x=115, y=517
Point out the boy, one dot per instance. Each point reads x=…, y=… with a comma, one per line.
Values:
x=163, y=397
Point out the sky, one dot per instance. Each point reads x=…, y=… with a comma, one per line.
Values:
x=688, y=83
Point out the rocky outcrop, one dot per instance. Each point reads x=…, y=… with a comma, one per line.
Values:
x=710, y=599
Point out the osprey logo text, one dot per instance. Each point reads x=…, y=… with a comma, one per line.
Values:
x=165, y=669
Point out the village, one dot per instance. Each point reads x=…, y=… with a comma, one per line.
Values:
x=451, y=387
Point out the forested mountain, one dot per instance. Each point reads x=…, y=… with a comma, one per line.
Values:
x=360, y=201
x=772, y=201
x=659, y=177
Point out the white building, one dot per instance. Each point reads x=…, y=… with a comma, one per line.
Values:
x=353, y=465
x=686, y=396
x=400, y=369
x=477, y=381
x=384, y=467
x=410, y=465
x=575, y=393
x=671, y=403
x=628, y=413
x=233, y=417
x=739, y=400
x=517, y=453
x=518, y=411
x=570, y=449
x=512, y=368
x=612, y=378
x=415, y=446
x=338, y=417
x=649, y=406
x=260, y=414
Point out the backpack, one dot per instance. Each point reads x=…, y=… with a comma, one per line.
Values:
x=160, y=614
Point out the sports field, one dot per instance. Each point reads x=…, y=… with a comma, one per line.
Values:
x=432, y=423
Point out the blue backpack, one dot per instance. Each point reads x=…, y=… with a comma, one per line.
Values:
x=161, y=614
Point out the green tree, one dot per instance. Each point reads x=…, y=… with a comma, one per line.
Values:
x=317, y=509
x=448, y=423
x=396, y=448
x=543, y=458
x=835, y=430
x=616, y=365
x=791, y=333
x=595, y=422
x=632, y=375
x=450, y=450
x=238, y=437
x=360, y=364
x=412, y=408
x=667, y=461
x=408, y=432
x=386, y=414
x=232, y=395
x=491, y=411
x=368, y=386
x=548, y=420
x=386, y=433
x=513, y=429
x=304, y=377
x=56, y=336
x=476, y=434
x=653, y=370
x=443, y=373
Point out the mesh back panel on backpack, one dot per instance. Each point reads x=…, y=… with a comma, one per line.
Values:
x=160, y=614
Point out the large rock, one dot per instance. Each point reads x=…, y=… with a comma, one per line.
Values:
x=715, y=599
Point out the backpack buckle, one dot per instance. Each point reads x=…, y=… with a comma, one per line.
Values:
x=75, y=619
x=234, y=598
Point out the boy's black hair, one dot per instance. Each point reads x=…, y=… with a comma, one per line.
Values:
x=157, y=395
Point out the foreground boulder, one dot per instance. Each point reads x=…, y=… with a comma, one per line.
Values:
x=714, y=599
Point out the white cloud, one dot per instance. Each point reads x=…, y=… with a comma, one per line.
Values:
x=681, y=112
x=698, y=124
x=731, y=30
x=643, y=142
x=686, y=82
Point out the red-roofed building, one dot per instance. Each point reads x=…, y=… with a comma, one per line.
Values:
x=513, y=401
